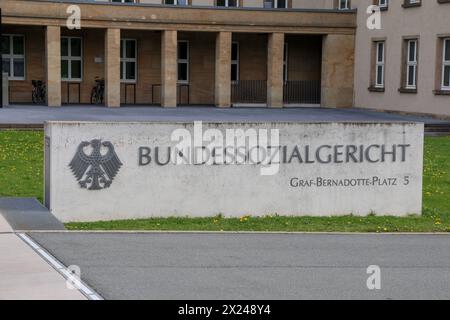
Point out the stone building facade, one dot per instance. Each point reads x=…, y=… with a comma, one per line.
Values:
x=273, y=53
x=200, y=52
x=405, y=66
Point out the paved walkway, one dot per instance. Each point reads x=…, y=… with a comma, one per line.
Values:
x=4, y=225
x=36, y=115
x=24, y=275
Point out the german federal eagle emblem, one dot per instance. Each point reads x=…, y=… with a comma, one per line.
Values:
x=95, y=164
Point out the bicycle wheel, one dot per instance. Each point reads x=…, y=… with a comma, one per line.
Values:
x=93, y=96
x=34, y=97
x=44, y=94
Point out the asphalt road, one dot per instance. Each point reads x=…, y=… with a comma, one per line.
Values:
x=255, y=266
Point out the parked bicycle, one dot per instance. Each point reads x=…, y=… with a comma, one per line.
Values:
x=39, y=91
x=98, y=91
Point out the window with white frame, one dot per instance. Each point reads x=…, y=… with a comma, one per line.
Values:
x=285, y=62
x=227, y=3
x=411, y=3
x=411, y=64
x=446, y=65
x=344, y=4
x=176, y=2
x=234, y=61
x=183, y=61
x=383, y=3
x=128, y=60
x=71, y=58
x=13, y=56
x=276, y=4
x=379, y=64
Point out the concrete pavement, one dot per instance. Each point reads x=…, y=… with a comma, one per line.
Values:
x=4, y=225
x=24, y=275
x=255, y=266
x=36, y=115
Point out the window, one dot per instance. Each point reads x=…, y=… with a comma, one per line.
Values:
x=13, y=56
x=128, y=58
x=176, y=2
x=344, y=4
x=379, y=64
x=183, y=61
x=71, y=58
x=235, y=61
x=411, y=3
x=285, y=62
x=446, y=65
x=383, y=3
x=227, y=3
x=276, y=4
x=411, y=64
x=123, y=1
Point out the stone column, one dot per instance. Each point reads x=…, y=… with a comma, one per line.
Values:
x=112, y=68
x=53, y=65
x=5, y=89
x=223, y=70
x=169, y=69
x=275, y=54
x=338, y=55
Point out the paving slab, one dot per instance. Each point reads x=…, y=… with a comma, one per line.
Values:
x=27, y=214
x=24, y=275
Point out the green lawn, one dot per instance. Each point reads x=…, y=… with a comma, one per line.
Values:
x=21, y=163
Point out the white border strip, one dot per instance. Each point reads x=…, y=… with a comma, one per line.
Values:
x=83, y=287
x=347, y=233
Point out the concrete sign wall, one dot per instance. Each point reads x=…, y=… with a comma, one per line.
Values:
x=103, y=171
